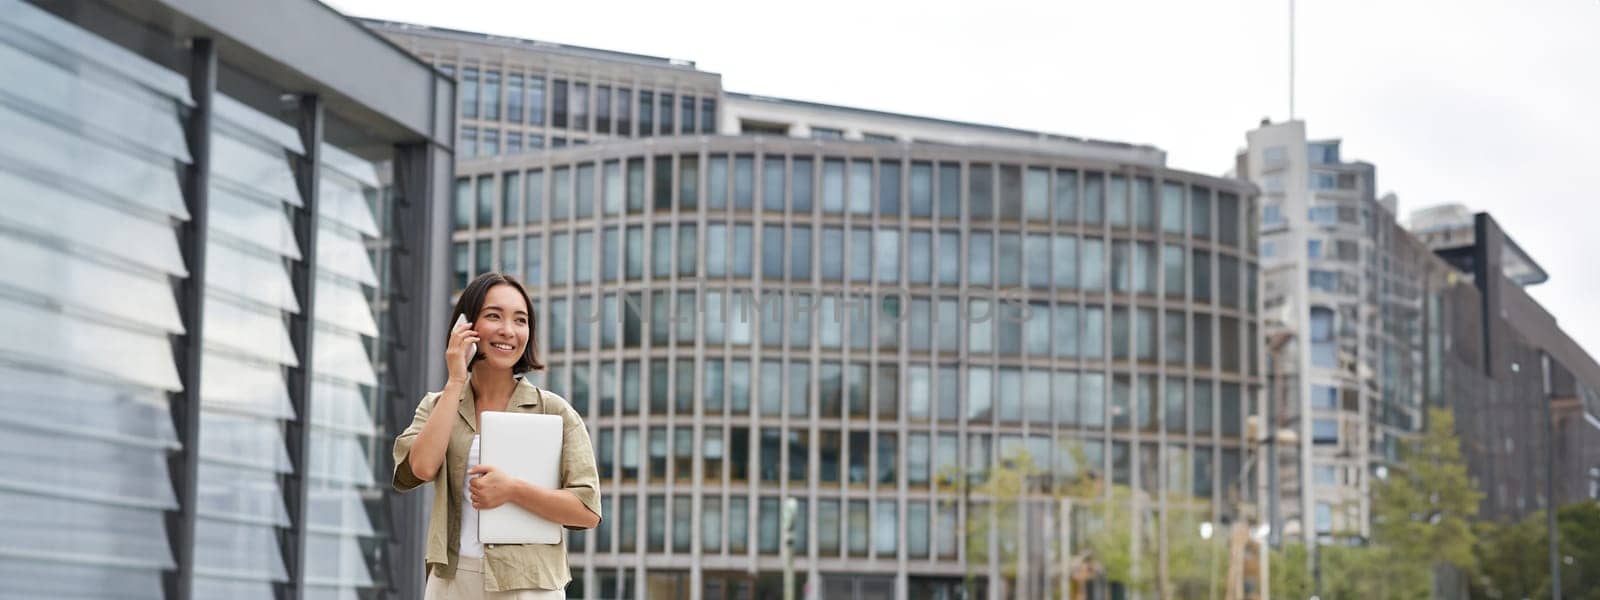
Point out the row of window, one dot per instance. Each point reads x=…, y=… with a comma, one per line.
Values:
x=858, y=186
x=859, y=391
x=859, y=458
x=799, y=254
x=933, y=325
x=602, y=109
x=857, y=526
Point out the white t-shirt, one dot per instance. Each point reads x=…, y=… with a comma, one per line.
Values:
x=470, y=546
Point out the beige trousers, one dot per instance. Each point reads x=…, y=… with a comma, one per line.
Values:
x=468, y=585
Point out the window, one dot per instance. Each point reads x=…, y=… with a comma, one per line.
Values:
x=1117, y=211
x=665, y=114
x=1228, y=219
x=949, y=192
x=1325, y=432
x=1093, y=257
x=980, y=192
x=772, y=170
x=491, y=95
x=889, y=189
x=828, y=527
x=1010, y=263
x=857, y=528
x=1172, y=215
x=688, y=182
x=491, y=143
x=885, y=530
x=1066, y=197
x=980, y=261
x=647, y=112
x=800, y=253
x=888, y=255
x=859, y=448
x=559, y=103
x=1176, y=415
x=1144, y=204
x=738, y=524
x=825, y=133
x=861, y=187
x=1324, y=397
x=469, y=142
x=861, y=257
x=708, y=115
x=602, y=109
x=799, y=454
x=624, y=111
x=1010, y=192
x=1094, y=198
x=1326, y=216
x=1324, y=351
x=920, y=256
x=1200, y=217
x=921, y=190
x=801, y=186
x=888, y=452
x=950, y=258
x=710, y=524
x=469, y=92
x=686, y=119
x=744, y=182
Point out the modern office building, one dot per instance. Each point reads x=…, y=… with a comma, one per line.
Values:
x=754, y=299
x=1343, y=302
x=1376, y=322
x=222, y=234
x=1527, y=396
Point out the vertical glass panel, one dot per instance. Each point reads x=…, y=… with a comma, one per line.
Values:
x=772, y=184
x=950, y=258
x=1200, y=213
x=980, y=259
x=889, y=189
x=801, y=202
x=1094, y=198
x=1010, y=193
x=717, y=183
x=885, y=532
x=980, y=192
x=888, y=255
x=861, y=187
x=1093, y=259
x=744, y=183
x=688, y=182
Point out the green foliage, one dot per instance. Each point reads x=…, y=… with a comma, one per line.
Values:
x=1422, y=511
x=1514, y=560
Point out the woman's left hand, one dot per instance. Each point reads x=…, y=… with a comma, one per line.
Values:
x=491, y=488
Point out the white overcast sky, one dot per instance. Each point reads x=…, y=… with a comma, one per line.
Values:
x=1489, y=103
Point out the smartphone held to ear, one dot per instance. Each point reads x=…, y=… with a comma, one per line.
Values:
x=472, y=349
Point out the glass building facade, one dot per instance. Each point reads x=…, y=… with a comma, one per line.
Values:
x=198, y=304
x=859, y=326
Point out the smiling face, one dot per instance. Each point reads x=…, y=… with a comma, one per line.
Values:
x=503, y=326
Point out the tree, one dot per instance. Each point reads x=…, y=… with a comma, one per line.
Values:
x=1103, y=527
x=1422, y=511
x=1513, y=557
x=1579, y=525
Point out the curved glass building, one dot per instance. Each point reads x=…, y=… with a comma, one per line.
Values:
x=754, y=300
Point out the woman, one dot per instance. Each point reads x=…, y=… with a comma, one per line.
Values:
x=442, y=442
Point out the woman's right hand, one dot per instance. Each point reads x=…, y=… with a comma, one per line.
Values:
x=463, y=336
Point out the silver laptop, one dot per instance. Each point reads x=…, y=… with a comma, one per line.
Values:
x=527, y=447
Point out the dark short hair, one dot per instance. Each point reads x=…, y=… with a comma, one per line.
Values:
x=471, y=303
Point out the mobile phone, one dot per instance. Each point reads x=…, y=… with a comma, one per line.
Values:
x=472, y=350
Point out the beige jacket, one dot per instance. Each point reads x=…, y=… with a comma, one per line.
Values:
x=505, y=566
